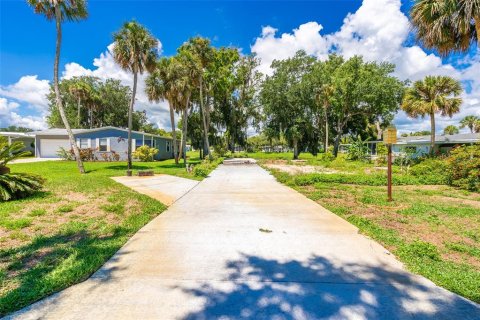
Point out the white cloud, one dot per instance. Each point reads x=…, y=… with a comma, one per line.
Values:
x=307, y=37
x=378, y=31
x=9, y=116
x=29, y=90
x=105, y=67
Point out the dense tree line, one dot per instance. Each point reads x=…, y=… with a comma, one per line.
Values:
x=91, y=103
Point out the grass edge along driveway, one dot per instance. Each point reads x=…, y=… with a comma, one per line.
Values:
x=62, y=235
x=433, y=230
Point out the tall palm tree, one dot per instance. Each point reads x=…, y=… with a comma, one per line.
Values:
x=162, y=84
x=451, y=129
x=323, y=98
x=61, y=10
x=81, y=90
x=470, y=122
x=186, y=84
x=434, y=94
x=201, y=53
x=447, y=25
x=135, y=50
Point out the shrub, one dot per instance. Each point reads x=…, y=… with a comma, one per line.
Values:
x=87, y=154
x=221, y=148
x=203, y=169
x=464, y=167
x=18, y=185
x=382, y=153
x=200, y=171
x=15, y=185
x=145, y=153
x=358, y=150
x=64, y=154
x=430, y=171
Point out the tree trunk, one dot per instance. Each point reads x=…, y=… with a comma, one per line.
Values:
x=477, y=28
x=78, y=113
x=326, y=130
x=184, y=135
x=432, y=134
x=130, y=115
x=71, y=138
x=295, y=149
x=206, y=145
x=174, y=133
x=336, y=144
x=379, y=130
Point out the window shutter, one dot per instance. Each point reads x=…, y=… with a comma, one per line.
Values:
x=133, y=144
x=78, y=142
x=89, y=143
x=97, y=144
x=108, y=144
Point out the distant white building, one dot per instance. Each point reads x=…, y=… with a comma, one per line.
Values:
x=443, y=143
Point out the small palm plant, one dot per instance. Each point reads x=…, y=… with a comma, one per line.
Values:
x=358, y=149
x=15, y=185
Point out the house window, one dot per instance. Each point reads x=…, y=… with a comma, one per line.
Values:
x=84, y=143
x=103, y=144
x=168, y=146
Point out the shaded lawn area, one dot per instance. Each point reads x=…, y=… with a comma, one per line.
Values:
x=61, y=235
x=433, y=229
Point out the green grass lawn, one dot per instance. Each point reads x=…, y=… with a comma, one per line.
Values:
x=63, y=234
x=433, y=229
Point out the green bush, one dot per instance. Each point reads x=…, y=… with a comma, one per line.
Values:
x=464, y=167
x=358, y=150
x=15, y=185
x=431, y=171
x=203, y=169
x=145, y=153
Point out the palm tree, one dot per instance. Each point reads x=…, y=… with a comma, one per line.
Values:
x=79, y=91
x=61, y=10
x=476, y=126
x=201, y=54
x=162, y=84
x=447, y=25
x=186, y=84
x=469, y=121
x=434, y=94
x=135, y=50
x=451, y=129
x=323, y=97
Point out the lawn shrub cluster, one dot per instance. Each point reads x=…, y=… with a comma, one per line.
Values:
x=464, y=167
x=204, y=168
x=145, y=153
x=431, y=171
x=88, y=154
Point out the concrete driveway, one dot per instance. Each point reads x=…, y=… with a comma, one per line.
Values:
x=242, y=246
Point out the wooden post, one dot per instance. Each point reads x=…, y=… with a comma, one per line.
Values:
x=389, y=173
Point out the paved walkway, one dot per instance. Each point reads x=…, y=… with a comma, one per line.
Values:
x=163, y=187
x=206, y=258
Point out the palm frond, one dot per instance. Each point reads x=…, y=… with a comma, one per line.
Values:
x=19, y=185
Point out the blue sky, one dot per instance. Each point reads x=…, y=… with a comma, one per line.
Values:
x=272, y=29
x=29, y=47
